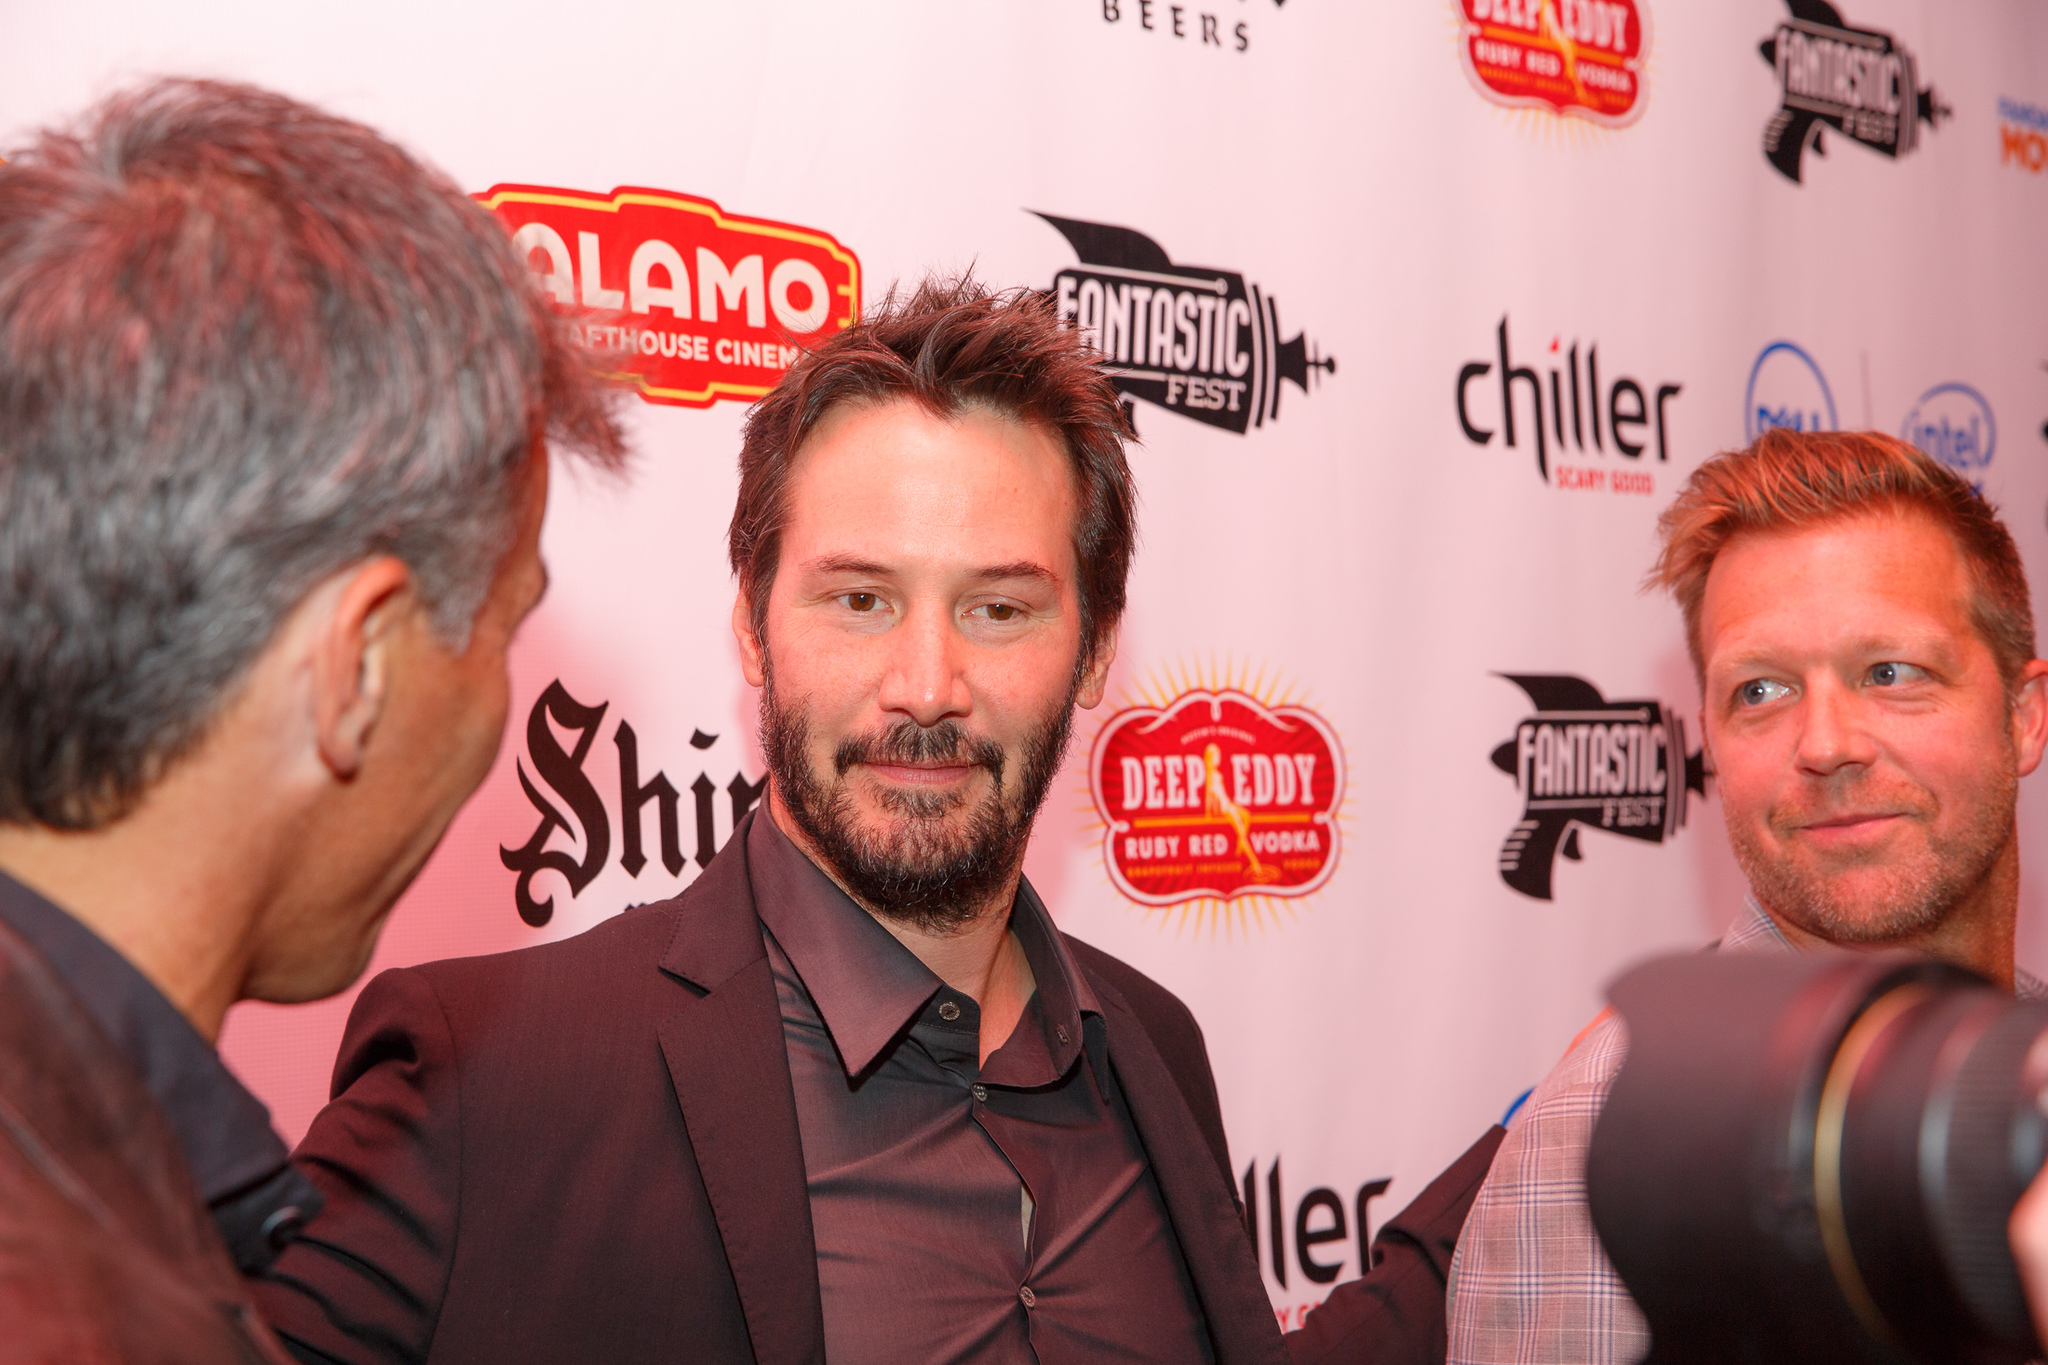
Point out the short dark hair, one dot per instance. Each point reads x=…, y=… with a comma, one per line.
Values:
x=243, y=344
x=949, y=345
x=1789, y=479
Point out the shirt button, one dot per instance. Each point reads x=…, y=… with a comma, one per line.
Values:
x=980, y=1092
x=1060, y=1033
x=948, y=1010
x=1030, y=1299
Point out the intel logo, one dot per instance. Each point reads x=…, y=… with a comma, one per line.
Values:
x=1953, y=423
x=1786, y=389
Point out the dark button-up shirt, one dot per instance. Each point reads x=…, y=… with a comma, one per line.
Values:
x=239, y=1165
x=963, y=1212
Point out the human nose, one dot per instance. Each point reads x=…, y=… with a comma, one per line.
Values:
x=1832, y=733
x=924, y=679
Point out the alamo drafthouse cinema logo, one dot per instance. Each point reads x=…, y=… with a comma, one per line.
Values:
x=1858, y=81
x=1213, y=798
x=1190, y=339
x=689, y=304
x=1583, y=762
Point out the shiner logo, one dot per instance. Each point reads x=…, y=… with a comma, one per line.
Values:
x=585, y=821
x=1216, y=796
x=1855, y=80
x=1574, y=415
x=1578, y=57
x=691, y=304
x=1188, y=338
x=1585, y=762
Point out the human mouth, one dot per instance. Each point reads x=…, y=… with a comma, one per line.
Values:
x=921, y=774
x=1850, y=827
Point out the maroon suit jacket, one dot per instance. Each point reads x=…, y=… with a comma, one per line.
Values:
x=589, y=1151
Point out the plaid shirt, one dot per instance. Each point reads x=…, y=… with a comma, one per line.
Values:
x=1530, y=1283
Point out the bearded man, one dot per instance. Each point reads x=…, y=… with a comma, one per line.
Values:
x=851, y=1095
x=1859, y=622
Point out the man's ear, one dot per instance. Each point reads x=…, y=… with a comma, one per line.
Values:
x=1706, y=749
x=2030, y=715
x=1096, y=680
x=753, y=658
x=352, y=660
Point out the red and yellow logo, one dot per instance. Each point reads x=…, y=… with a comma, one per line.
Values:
x=1217, y=796
x=1577, y=57
x=691, y=303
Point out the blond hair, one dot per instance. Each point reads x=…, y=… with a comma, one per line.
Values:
x=1789, y=479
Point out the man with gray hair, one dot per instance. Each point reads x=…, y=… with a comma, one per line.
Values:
x=274, y=409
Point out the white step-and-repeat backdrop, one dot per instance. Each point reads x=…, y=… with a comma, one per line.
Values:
x=1424, y=311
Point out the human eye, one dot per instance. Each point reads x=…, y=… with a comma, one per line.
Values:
x=862, y=602
x=1761, y=691
x=1892, y=673
x=998, y=611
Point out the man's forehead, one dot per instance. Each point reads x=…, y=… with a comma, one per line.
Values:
x=886, y=482
x=1866, y=579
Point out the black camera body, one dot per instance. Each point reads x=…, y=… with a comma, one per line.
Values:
x=1813, y=1158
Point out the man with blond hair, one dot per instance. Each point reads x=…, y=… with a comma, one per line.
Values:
x=1859, y=623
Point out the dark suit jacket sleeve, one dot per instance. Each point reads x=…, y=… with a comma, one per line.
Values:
x=1395, y=1314
x=365, y=1281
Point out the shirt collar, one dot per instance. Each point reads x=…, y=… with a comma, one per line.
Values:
x=240, y=1167
x=1755, y=932
x=868, y=988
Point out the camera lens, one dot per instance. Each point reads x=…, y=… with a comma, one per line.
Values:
x=1814, y=1158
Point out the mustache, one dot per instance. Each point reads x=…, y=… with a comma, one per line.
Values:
x=908, y=742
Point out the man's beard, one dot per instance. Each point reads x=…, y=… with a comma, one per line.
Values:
x=921, y=869
x=1910, y=898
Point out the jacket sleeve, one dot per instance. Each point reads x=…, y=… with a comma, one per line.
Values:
x=1394, y=1314
x=364, y=1281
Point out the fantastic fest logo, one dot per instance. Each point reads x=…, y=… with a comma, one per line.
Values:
x=1583, y=58
x=1216, y=800
x=1188, y=338
x=1858, y=81
x=688, y=303
x=1583, y=762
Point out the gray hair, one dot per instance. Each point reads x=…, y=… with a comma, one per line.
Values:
x=243, y=345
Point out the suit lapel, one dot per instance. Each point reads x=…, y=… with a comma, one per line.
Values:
x=1220, y=1258
x=725, y=1057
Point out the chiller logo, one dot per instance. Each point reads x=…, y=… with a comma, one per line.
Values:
x=1578, y=57
x=1187, y=338
x=1216, y=796
x=1953, y=423
x=690, y=303
x=1575, y=414
x=1582, y=761
x=1786, y=389
x=1857, y=81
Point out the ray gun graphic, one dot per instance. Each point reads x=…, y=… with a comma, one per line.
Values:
x=1189, y=338
x=1857, y=81
x=1583, y=761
